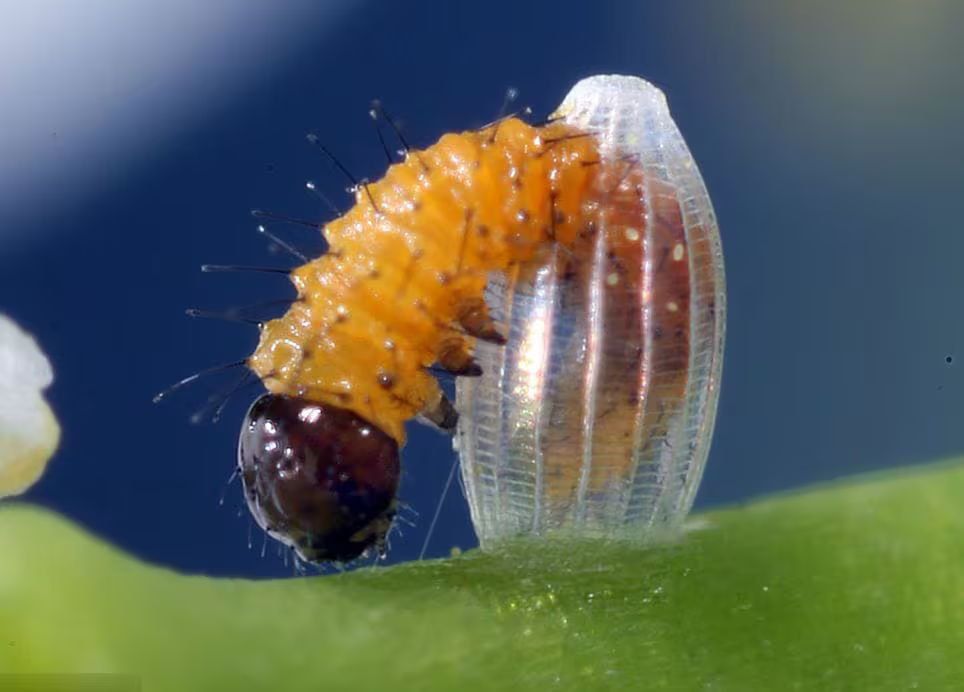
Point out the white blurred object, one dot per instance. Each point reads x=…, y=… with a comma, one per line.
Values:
x=87, y=87
x=29, y=432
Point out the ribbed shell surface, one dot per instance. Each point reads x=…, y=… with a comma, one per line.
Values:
x=596, y=417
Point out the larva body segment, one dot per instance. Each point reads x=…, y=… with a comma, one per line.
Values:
x=596, y=416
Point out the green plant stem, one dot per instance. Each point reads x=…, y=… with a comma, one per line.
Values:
x=857, y=585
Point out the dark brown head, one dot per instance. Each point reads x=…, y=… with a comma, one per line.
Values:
x=318, y=478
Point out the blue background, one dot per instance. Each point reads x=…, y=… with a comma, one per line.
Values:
x=830, y=139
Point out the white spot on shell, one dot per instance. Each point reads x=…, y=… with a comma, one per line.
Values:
x=672, y=306
x=632, y=234
x=612, y=279
x=678, y=252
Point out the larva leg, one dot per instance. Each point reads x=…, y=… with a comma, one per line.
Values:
x=455, y=357
x=473, y=316
x=439, y=412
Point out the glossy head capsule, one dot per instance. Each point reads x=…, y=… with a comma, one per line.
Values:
x=595, y=417
x=318, y=478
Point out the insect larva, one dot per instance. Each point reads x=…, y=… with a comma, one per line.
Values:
x=571, y=218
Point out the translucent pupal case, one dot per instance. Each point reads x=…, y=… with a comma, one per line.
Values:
x=595, y=418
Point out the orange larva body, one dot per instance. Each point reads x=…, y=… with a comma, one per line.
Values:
x=401, y=287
